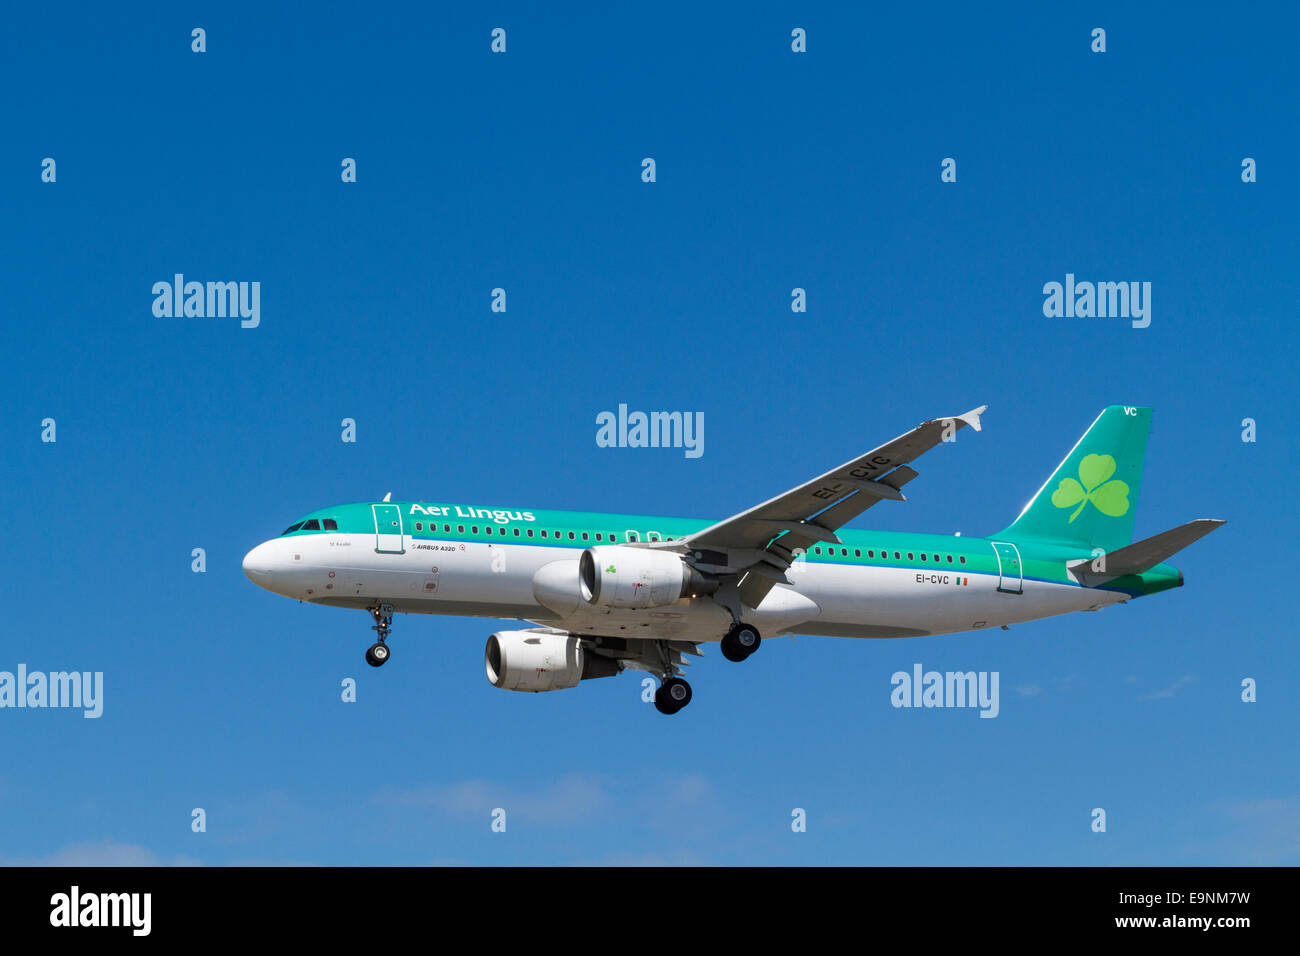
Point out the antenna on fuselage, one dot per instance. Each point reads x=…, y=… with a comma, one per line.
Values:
x=388, y=496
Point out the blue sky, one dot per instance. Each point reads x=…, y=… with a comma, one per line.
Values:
x=775, y=170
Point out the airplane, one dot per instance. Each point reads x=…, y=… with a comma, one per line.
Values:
x=610, y=592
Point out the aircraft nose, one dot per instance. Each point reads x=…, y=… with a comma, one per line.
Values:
x=259, y=563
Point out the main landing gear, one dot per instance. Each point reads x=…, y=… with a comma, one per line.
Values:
x=741, y=641
x=378, y=652
x=673, y=694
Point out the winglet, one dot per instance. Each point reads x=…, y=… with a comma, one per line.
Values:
x=972, y=418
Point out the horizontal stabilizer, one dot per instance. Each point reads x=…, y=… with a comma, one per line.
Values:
x=1146, y=554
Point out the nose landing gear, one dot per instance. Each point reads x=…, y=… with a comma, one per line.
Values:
x=378, y=652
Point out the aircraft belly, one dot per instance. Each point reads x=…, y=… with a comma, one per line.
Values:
x=891, y=602
x=695, y=620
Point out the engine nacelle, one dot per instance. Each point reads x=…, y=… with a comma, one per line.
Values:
x=536, y=661
x=614, y=576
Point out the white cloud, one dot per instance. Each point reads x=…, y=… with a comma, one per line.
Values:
x=685, y=804
x=101, y=853
x=1267, y=831
x=569, y=798
x=677, y=857
x=1165, y=693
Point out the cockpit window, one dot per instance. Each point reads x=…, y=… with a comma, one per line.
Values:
x=312, y=525
x=291, y=529
x=331, y=524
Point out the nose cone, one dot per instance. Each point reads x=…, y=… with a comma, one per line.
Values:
x=260, y=564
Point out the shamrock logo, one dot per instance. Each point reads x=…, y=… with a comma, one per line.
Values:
x=611, y=570
x=1108, y=497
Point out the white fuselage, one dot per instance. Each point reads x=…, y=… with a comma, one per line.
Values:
x=540, y=584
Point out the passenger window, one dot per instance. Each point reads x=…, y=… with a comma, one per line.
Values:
x=857, y=553
x=844, y=552
x=543, y=533
x=331, y=524
x=570, y=535
x=584, y=536
x=516, y=532
x=473, y=529
x=871, y=554
x=597, y=535
x=460, y=529
x=909, y=556
x=922, y=556
x=447, y=528
x=897, y=556
x=963, y=559
x=530, y=532
x=419, y=526
x=949, y=558
x=817, y=550
x=936, y=557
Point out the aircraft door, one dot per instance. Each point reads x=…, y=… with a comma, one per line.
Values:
x=388, y=529
x=1010, y=573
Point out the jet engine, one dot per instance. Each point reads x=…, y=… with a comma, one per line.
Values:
x=539, y=661
x=614, y=576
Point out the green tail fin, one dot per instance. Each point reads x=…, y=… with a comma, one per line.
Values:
x=1091, y=497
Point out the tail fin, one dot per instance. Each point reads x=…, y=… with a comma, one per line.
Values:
x=1091, y=497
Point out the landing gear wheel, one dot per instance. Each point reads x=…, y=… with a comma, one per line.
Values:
x=741, y=641
x=383, y=626
x=730, y=651
x=673, y=694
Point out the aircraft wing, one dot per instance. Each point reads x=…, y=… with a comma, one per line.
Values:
x=762, y=542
